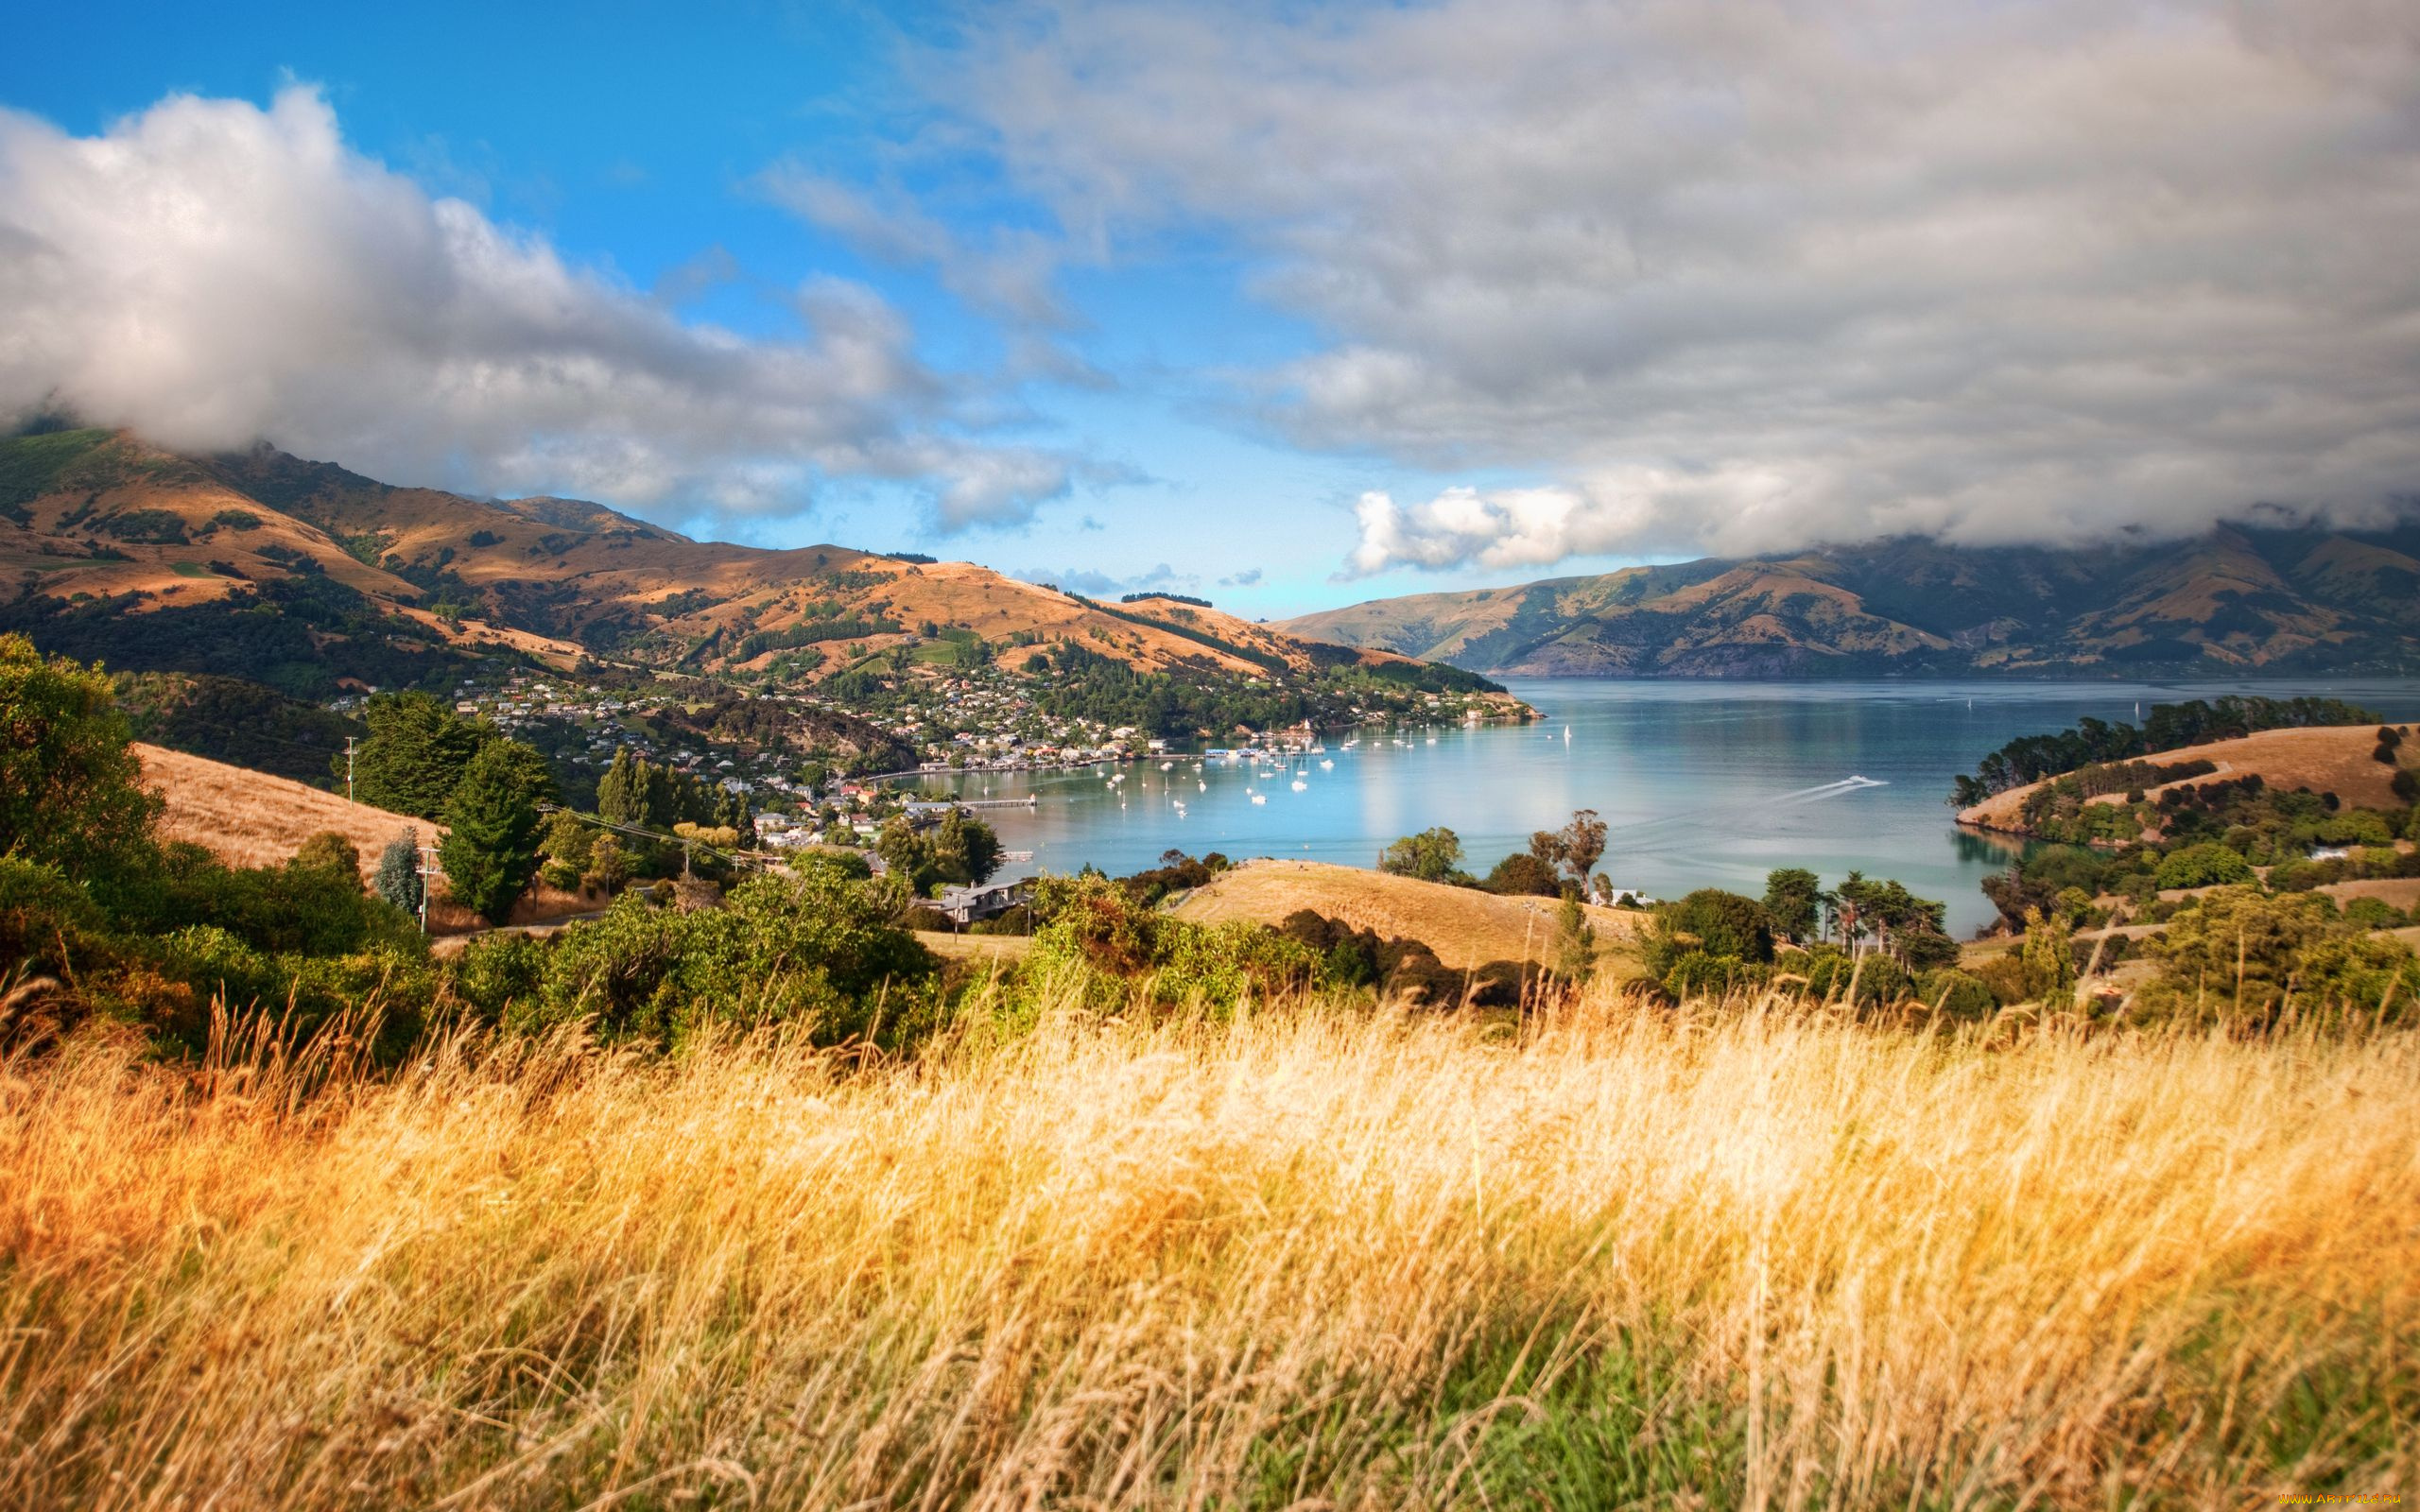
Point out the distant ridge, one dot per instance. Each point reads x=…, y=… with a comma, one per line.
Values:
x=2238, y=601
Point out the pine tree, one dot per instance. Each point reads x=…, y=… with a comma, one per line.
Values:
x=491, y=851
x=398, y=878
x=415, y=753
x=621, y=796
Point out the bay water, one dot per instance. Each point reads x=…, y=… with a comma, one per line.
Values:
x=1701, y=783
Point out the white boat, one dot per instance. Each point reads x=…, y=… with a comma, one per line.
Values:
x=1300, y=784
x=1259, y=797
x=1168, y=766
x=1432, y=740
x=1327, y=766
x=1204, y=786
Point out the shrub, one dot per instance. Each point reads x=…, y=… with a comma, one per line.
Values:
x=820, y=950
x=1958, y=994
x=1872, y=979
x=2375, y=912
x=1102, y=940
x=1695, y=975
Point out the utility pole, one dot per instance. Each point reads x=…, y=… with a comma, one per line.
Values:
x=429, y=872
x=348, y=768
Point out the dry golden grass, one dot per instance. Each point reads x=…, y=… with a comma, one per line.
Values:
x=2331, y=758
x=1304, y=1259
x=1006, y=949
x=2401, y=892
x=1465, y=928
x=250, y=818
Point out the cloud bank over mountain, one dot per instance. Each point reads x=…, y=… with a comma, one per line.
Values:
x=1735, y=279
x=211, y=273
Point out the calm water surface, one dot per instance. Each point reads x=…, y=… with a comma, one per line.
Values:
x=1701, y=783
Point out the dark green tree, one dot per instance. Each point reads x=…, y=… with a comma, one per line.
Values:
x=415, y=753
x=490, y=849
x=621, y=795
x=1794, y=901
x=1712, y=923
x=965, y=848
x=1523, y=874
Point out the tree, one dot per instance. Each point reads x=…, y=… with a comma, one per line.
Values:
x=1431, y=855
x=1794, y=898
x=71, y=789
x=415, y=753
x=1575, y=848
x=1522, y=874
x=621, y=798
x=606, y=870
x=398, y=878
x=1581, y=841
x=2206, y=865
x=490, y=853
x=1713, y=922
x=965, y=850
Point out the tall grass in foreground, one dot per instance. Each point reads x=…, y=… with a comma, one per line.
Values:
x=1303, y=1259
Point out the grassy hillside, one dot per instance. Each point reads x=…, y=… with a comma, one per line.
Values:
x=392, y=585
x=1465, y=928
x=2331, y=758
x=1301, y=1259
x=2236, y=601
x=250, y=818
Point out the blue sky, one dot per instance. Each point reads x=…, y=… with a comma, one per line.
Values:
x=1284, y=305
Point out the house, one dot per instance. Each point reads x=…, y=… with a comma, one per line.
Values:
x=966, y=905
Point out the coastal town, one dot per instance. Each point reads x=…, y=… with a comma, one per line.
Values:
x=802, y=787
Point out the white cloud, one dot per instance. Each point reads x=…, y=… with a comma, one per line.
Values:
x=1747, y=278
x=210, y=273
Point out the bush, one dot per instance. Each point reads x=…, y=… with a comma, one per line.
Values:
x=1105, y=943
x=1958, y=994
x=1874, y=979
x=820, y=950
x=1694, y=975
x=2375, y=912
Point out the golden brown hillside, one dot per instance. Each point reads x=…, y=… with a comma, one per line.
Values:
x=2331, y=758
x=99, y=516
x=1465, y=928
x=250, y=818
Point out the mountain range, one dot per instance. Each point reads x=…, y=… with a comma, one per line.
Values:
x=310, y=578
x=2238, y=601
